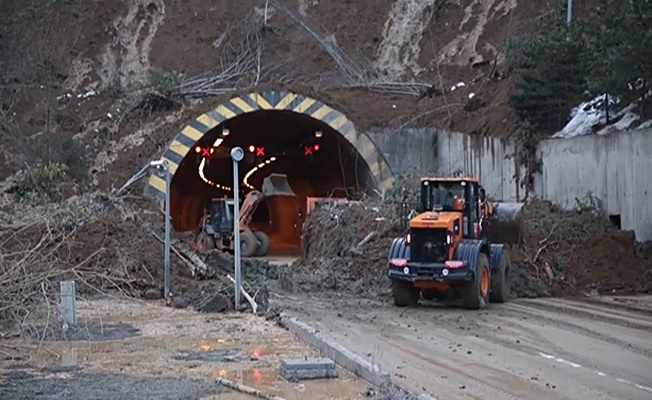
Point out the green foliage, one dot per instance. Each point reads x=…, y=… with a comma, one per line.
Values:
x=63, y=148
x=406, y=187
x=608, y=52
x=550, y=77
x=558, y=68
x=618, y=49
x=42, y=183
x=164, y=81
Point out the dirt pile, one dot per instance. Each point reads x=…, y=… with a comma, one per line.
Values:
x=564, y=253
x=215, y=291
x=345, y=249
x=106, y=245
x=578, y=252
x=101, y=243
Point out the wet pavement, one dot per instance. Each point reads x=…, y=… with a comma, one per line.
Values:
x=139, y=350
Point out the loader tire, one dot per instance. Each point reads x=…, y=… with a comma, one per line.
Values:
x=263, y=247
x=475, y=294
x=432, y=294
x=204, y=242
x=500, y=281
x=404, y=293
x=248, y=244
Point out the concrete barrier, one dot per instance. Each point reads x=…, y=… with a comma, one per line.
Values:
x=346, y=358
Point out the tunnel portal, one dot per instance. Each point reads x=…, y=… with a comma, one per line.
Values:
x=316, y=146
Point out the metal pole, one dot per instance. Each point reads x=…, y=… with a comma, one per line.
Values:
x=569, y=17
x=236, y=154
x=166, y=261
x=569, y=13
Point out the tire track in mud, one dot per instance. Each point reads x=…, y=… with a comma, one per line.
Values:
x=531, y=349
x=569, y=324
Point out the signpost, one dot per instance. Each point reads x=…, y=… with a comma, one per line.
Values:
x=166, y=258
x=237, y=154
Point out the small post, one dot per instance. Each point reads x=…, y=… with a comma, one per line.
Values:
x=237, y=154
x=67, y=302
x=166, y=256
x=569, y=17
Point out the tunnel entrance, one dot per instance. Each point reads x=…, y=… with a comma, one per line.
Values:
x=316, y=146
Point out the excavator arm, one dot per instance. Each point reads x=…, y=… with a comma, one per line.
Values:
x=249, y=205
x=273, y=185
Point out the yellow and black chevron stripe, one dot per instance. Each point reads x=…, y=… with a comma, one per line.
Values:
x=271, y=100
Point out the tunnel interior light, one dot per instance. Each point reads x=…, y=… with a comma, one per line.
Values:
x=197, y=149
x=252, y=171
x=318, y=134
x=225, y=132
x=218, y=142
x=252, y=148
x=203, y=177
x=316, y=147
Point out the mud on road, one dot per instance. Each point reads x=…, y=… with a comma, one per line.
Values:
x=526, y=349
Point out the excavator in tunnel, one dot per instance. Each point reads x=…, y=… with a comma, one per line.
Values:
x=216, y=226
x=454, y=247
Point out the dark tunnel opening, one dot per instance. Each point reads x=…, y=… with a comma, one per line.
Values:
x=318, y=162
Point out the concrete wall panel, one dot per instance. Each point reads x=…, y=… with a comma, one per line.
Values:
x=616, y=168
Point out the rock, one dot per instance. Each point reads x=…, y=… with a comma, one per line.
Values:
x=152, y=294
x=179, y=301
x=216, y=304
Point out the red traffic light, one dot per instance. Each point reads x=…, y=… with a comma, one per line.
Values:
x=316, y=147
x=259, y=151
x=204, y=151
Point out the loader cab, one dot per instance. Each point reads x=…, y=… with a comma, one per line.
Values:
x=221, y=215
x=457, y=195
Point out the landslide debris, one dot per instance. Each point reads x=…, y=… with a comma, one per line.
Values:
x=578, y=252
x=106, y=245
x=345, y=247
x=564, y=253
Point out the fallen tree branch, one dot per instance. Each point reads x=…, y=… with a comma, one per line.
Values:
x=190, y=259
x=246, y=389
x=252, y=302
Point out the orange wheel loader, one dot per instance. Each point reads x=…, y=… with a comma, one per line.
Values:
x=447, y=251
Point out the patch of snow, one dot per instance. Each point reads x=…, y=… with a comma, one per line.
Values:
x=645, y=125
x=584, y=117
x=457, y=85
x=624, y=123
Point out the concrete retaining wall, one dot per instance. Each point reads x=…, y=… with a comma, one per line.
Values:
x=440, y=152
x=615, y=168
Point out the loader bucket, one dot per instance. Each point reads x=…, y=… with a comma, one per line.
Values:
x=507, y=223
x=277, y=185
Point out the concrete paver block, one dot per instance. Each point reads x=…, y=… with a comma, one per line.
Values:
x=308, y=363
x=335, y=351
x=308, y=368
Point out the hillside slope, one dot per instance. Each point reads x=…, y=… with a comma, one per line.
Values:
x=78, y=67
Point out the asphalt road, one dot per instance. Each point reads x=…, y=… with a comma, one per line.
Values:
x=526, y=349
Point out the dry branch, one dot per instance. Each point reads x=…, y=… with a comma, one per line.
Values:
x=240, y=49
x=246, y=389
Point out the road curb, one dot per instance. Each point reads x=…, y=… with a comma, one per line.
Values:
x=335, y=351
x=343, y=356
